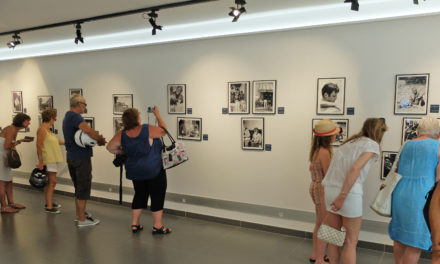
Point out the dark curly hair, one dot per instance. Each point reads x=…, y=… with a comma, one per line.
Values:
x=19, y=119
x=130, y=118
x=47, y=115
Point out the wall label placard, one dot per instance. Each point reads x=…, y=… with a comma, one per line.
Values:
x=205, y=136
x=268, y=147
x=281, y=110
x=350, y=110
x=225, y=110
x=189, y=111
x=434, y=108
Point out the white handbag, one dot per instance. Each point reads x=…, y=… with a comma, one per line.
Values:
x=382, y=203
x=331, y=235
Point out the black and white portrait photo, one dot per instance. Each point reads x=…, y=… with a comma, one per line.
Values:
x=264, y=97
x=331, y=96
x=388, y=158
x=121, y=102
x=342, y=124
x=90, y=121
x=189, y=128
x=45, y=102
x=17, y=102
x=176, y=98
x=117, y=124
x=238, y=97
x=411, y=94
x=409, y=128
x=252, y=133
x=75, y=91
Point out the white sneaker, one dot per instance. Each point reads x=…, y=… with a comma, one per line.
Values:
x=88, y=222
x=87, y=215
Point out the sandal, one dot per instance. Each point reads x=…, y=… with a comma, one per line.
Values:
x=17, y=206
x=135, y=228
x=9, y=210
x=160, y=231
x=326, y=259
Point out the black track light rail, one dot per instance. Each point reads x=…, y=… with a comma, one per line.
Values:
x=123, y=13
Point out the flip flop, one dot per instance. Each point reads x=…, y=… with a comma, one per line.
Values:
x=17, y=206
x=9, y=210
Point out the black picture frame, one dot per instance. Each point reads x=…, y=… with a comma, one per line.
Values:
x=411, y=94
x=121, y=102
x=17, y=101
x=343, y=135
x=252, y=133
x=388, y=159
x=90, y=121
x=333, y=103
x=74, y=91
x=45, y=102
x=189, y=128
x=117, y=124
x=176, y=99
x=409, y=128
x=238, y=97
x=266, y=91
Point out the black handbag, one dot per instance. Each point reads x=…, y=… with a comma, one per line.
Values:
x=12, y=159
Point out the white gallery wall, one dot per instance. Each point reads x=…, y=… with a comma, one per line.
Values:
x=369, y=55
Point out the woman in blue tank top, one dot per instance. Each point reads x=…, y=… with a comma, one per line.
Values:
x=142, y=145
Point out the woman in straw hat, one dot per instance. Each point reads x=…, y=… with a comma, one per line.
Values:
x=325, y=132
x=343, y=185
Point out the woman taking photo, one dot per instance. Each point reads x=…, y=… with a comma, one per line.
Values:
x=343, y=185
x=142, y=145
x=7, y=141
x=419, y=167
x=49, y=155
x=325, y=132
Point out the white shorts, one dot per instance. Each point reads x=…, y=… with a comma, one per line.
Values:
x=352, y=206
x=52, y=167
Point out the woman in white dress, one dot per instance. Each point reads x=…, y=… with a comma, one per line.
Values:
x=343, y=185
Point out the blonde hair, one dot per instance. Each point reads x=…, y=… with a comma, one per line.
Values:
x=428, y=126
x=320, y=142
x=373, y=128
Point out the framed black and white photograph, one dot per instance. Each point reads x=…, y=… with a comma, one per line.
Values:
x=90, y=121
x=411, y=94
x=409, y=128
x=343, y=134
x=75, y=91
x=17, y=102
x=117, y=124
x=121, y=102
x=252, y=133
x=388, y=158
x=331, y=96
x=45, y=102
x=189, y=128
x=238, y=97
x=264, y=97
x=176, y=98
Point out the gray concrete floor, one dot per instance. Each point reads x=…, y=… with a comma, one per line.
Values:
x=33, y=236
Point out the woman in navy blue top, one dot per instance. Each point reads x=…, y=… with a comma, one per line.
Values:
x=142, y=145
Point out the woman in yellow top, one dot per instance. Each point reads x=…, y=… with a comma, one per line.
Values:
x=49, y=155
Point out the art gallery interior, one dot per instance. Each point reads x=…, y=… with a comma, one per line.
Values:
x=291, y=43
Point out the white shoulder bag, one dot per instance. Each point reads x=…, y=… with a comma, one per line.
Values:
x=382, y=203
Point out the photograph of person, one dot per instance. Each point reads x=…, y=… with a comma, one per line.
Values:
x=17, y=102
x=238, y=93
x=189, y=128
x=264, y=94
x=176, y=98
x=331, y=96
x=252, y=133
x=411, y=94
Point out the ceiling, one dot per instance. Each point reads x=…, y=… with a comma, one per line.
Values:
x=262, y=15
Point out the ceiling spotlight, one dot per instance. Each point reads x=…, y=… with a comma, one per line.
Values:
x=153, y=16
x=238, y=10
x=16, y=41
x=354, y=4
x=78, y=34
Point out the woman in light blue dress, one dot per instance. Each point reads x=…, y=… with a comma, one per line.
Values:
x=419, y=167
